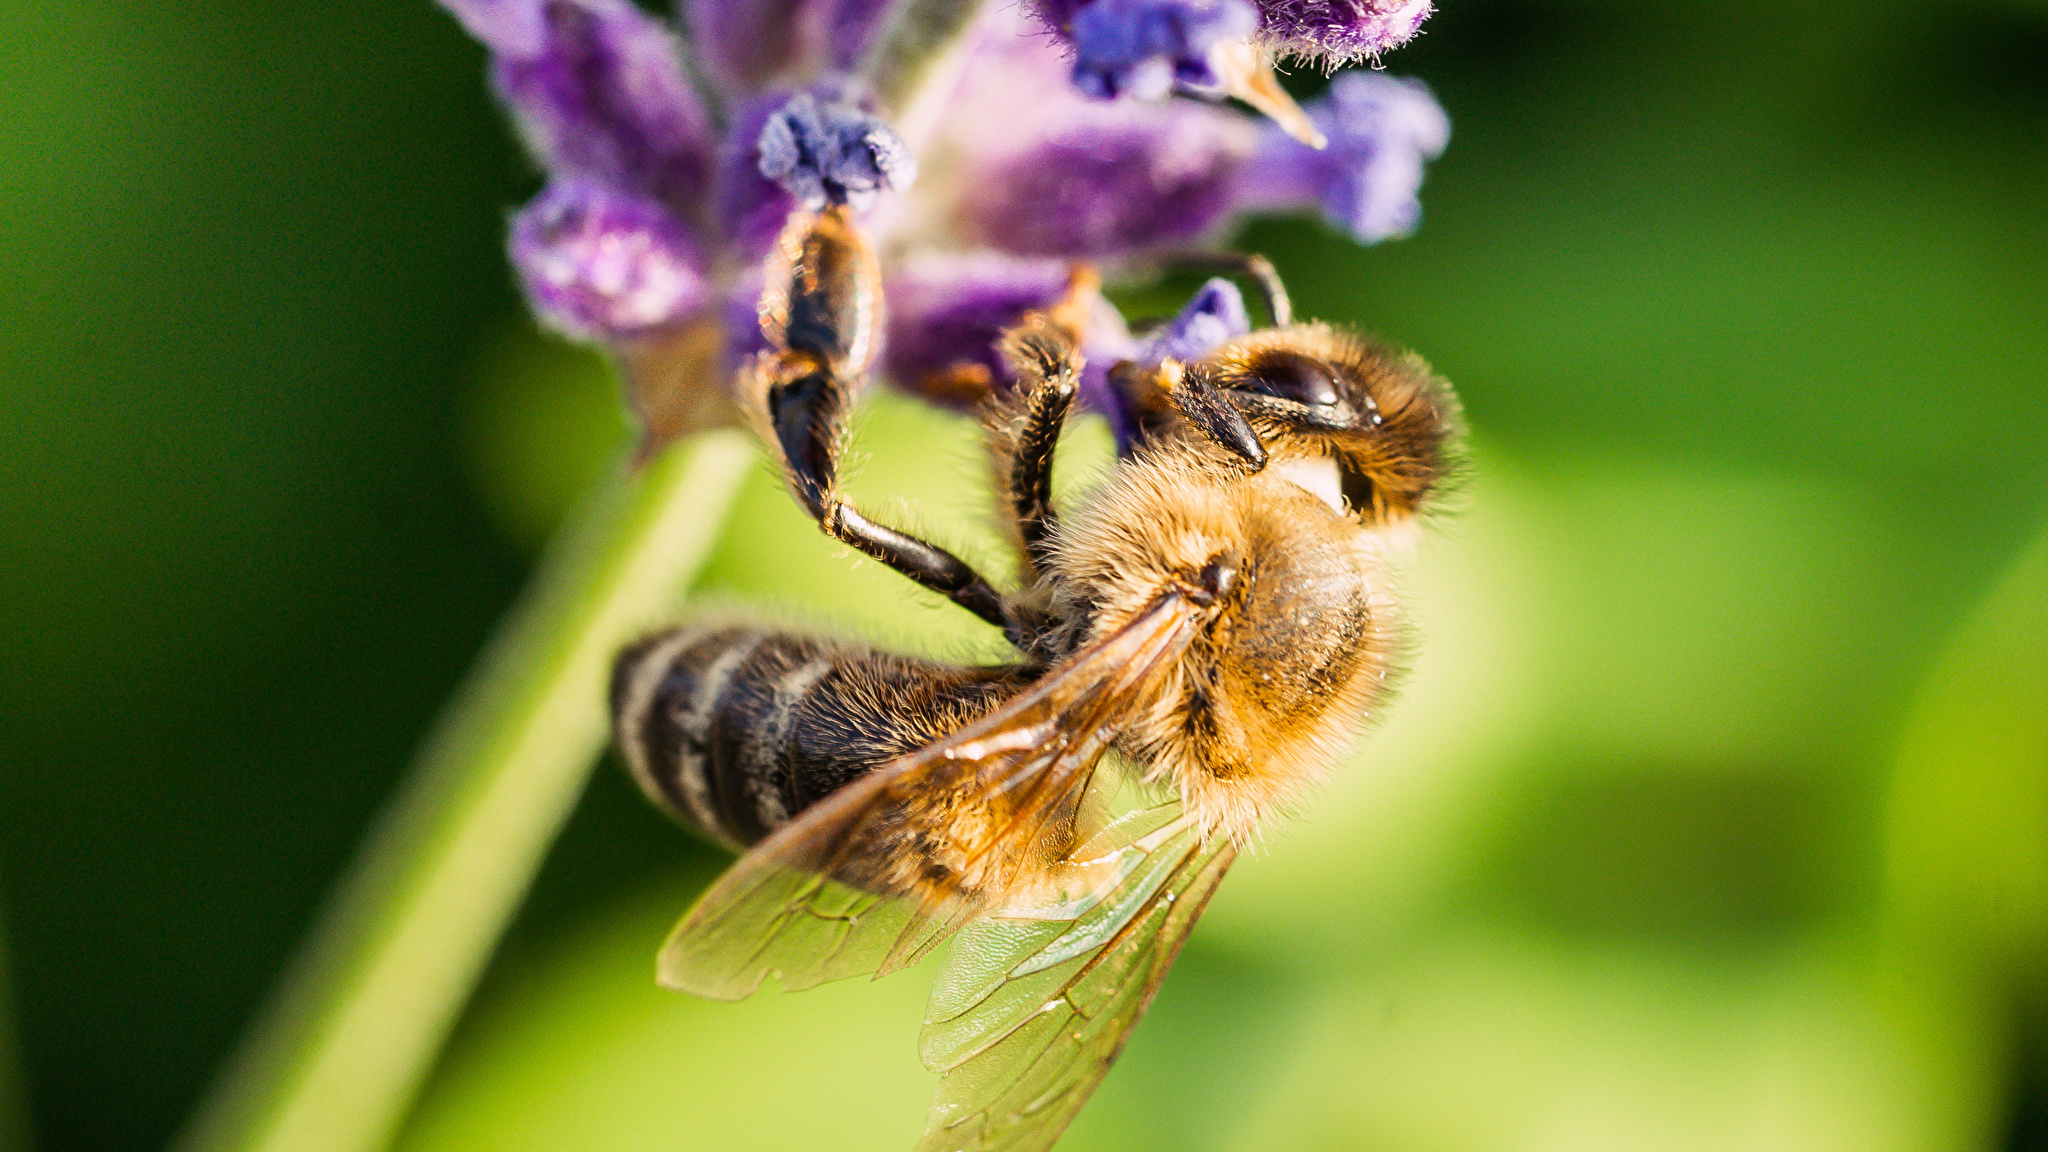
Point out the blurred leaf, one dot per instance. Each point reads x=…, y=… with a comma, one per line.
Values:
x=1702, y=856
x=1967, y=823
x=1668, y=672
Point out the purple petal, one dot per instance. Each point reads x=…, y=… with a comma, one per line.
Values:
x=1214, y=317
x=597, y=91
x=747, y=45
x=947, y=311
x=1115, y=185
x=830, y=151
x=1381, y=130
x=1145, y=48
x=1340, y=31
x=605, y=265
x=1031, y=167
x=853, y=28
x=747, y=208
x=508, y=27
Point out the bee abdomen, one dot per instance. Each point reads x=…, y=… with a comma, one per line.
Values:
x=735, y=729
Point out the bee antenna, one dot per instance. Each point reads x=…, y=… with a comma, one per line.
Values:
x=1257, y=269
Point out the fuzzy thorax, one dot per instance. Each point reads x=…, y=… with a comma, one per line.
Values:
x=1295, y=644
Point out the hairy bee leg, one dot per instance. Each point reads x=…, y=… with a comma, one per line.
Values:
x=1257, y=269
x=820, y=309
x=1048, y=369
x=822, y=299
x=1045, y=353
x=808, y=414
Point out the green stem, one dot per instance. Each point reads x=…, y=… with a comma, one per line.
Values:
x=338, y=1054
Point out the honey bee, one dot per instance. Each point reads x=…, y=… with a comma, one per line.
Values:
x=1217, y=611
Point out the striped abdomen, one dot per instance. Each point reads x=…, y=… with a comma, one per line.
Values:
x=734, y=729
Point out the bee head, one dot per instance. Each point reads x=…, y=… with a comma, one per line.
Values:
x=1310, y=390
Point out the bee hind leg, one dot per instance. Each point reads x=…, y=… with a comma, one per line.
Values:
x=807, y=412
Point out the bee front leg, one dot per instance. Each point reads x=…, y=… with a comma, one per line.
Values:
x=1204, y=406
x=1044, y=351
x=819, y=311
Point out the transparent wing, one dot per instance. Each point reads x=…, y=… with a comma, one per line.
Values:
x=1033, y=1005
x=878, y=873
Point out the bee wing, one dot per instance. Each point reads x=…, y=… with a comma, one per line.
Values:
x=819, y=900
x=1032, y=1007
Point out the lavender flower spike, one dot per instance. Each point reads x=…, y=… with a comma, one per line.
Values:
x=1381, y=130
x=600, y=264
x=1146, y=48
x=598, y=91
x=831, y=152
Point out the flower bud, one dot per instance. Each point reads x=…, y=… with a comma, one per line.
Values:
x=1146, y=48
x=604, y=265
x=597, y=91
x=829, y=151
x=1340, y=31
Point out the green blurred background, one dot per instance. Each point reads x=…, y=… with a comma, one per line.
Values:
x=1714, y=815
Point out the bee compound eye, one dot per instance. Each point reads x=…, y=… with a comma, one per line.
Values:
x=1293, y=376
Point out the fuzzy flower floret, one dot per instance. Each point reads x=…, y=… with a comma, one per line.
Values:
x=1340, y=31
x=1129, y=42
x=832, y=152
x=601, y=264
x=1146, y=48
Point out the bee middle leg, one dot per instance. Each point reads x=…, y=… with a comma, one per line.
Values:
x=1044, y=351
x=1048, y=369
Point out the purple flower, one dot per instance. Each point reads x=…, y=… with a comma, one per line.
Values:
x=749, y=45
x=1381, y=130
x=597, y=90
x=599, y=263
x=1335, y=32
x=1148, y=47
x=1214, y=317
x=948, y=310
x=659, y=208
x=832, y=153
